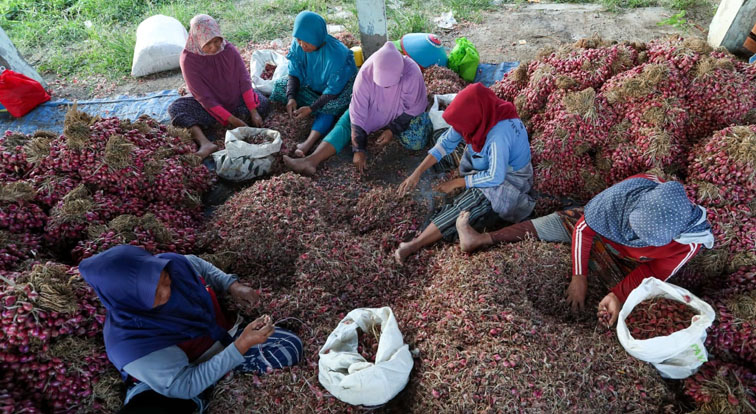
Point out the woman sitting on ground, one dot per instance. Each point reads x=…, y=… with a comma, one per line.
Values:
x=651, y=223
x=219, y=85
x=165, y=330
x=495, y=167
x=389, y=92
x=321, y=75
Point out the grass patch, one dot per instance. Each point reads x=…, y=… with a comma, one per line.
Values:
x=82, y=37
x=469, y=9
x=85, y=37
x=401, y=22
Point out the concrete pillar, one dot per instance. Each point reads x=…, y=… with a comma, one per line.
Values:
x=731, y=25
x=10, y=58
x=373, y=29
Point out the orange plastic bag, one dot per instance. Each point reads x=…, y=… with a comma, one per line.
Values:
x=19, y=93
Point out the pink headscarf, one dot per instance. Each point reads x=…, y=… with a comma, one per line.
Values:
x=220, y=79
x=202, y=29
x=387, y=86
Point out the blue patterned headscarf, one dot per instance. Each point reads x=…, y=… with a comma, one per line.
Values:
x=639, y=212
x=125, y=278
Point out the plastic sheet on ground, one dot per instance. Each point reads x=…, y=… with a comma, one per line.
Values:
x=50, y=115
x=488, y=73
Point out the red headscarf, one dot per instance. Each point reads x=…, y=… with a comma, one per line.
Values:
x=474, y=111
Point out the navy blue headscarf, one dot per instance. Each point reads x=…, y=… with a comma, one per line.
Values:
x=639, y=212
x=125, y=278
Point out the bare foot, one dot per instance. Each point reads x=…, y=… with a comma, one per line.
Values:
x=299, y=165
x=206, y=150
x=469, y=239
x=401, y=253
x=301, y=150
x=383, y=141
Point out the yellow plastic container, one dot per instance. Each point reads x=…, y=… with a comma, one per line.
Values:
x=358, y=59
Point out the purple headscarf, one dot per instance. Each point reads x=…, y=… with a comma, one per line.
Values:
x=374, y=106
x=125, y=278
x=213, y=80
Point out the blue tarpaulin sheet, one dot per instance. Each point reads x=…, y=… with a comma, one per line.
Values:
x=50, y=115
x=488, y=73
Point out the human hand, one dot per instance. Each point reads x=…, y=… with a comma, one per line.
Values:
x=408, y=184
x=257, y=120
x=236, y=122
x=359, y=159
x=243, y=293
x=291, y=106
x=256, y=332
x=610, y=305
x=385, y=138
x=451, y=185
x=302, y=112
x=576, y=292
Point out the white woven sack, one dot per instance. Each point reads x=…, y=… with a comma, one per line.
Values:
x=257, y=66
x=241, y=160
x=677, y=355
x=436, y=114
x=352, y=379
x=159, y=43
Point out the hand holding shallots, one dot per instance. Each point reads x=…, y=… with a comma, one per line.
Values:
x=451, y=185
x=244, y=294
x=608, y=309
x=256, y=332
x=576, y=292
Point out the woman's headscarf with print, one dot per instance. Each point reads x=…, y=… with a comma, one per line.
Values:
x=202, y=29
x=639, y=212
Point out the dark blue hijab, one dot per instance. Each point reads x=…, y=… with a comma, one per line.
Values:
x=125, y=278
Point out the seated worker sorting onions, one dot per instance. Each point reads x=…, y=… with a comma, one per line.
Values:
x=321, y=76
x=495, y=167
x=650, y=223
x=389, y=93
x=219, y=85
x=166, y=332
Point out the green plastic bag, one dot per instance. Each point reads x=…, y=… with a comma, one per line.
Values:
x=464, y=59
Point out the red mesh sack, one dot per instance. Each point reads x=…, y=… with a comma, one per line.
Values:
x=19, y=93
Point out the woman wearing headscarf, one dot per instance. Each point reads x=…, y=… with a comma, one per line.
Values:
x=495, y=168
x=389, y=92
x=649, y=225
x=165, y=330
x=219, y=85
x=321, y=75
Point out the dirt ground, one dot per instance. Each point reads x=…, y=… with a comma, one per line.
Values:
x=512, y=33
x=518, y=32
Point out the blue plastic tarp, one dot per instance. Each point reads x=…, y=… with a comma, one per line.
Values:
x=50, y=115
x=488, y=73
